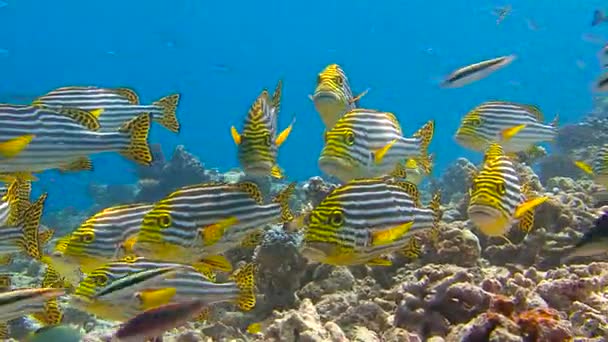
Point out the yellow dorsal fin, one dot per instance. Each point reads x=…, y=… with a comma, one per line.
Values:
x=435, y=206
x=80, y=164
x=276, y=97
x=11, y=148
x=282, y=198
x=213, y=233
x=425, y=134
x=205, y=270
x=217, y=262
x=410, y=188
x=253, y=190
x=535, y=111
x=508, y=133
x=280, y=139
x=412, y=249
x=276, y=172
x=130, y=94
x=150, y=299
x=30, y=226
x=236, y=137
x=381, y=152
x=83, y=117
x=386, y=236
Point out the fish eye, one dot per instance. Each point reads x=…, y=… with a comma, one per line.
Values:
x=87, y=237
x=101, y=280
x=339, y=80
x=129, y=259
x=500, y=188
x=349, y=138
x=164, y=220
x=475, y=122
x=336, y=219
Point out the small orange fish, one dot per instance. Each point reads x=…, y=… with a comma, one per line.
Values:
x=152, y=323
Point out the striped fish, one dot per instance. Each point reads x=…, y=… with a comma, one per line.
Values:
x=260, y=140
x=21, y=302
x=516, y=127
x=367, y=143
x=98, y=240
x=498, y=198
x=25, y=236
x=65, y=138
x=366, y=219
x=114, y=106
x=205, y=220
x=187, y=284
x=476, y=72
x=598, y=167
x=333, y=96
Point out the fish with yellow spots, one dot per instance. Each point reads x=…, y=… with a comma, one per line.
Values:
x=259, y=141
x=186, y=284
x=100, y=239
x=367, y=143
x=598, y=168
x=199, y=222
x=516, y=127
x=413, y=171
x=333, y=96
x=498, y=198
x=113, y=107
x=364, y=220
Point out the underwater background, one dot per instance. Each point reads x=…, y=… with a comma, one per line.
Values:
x=218, y=54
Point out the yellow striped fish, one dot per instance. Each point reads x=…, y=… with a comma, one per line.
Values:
x=516, y=127
x=112, y=106
x=260, y=140
x=187, y=284
x=475, y=72
x=498, y=198
x=202, y=221
x=366, y=143
x=366, y=219
x=64, y=138
x=333, y=96
x=598, y=167
x=49, y=312
x=98, y=240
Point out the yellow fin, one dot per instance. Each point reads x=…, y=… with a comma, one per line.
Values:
x=253, y=239
x=386, y=236
x=5, y=333
x=138, y=150
x=205, y=270
x=97, y=112
x=379, y=262
x=425, y=134
x=282, y=198
x=411, y=189
x=276, y=97
x=285, y=133
x=51, y=313
x=235, y=135
x=381, y=152
x=245, y=280
x=46, y=236
x=509, y=133
x=83, y=117
x=254, y=328
x=411, y=164
x=150, y=299
x=211, y=234
x=31, y=226
x=435, y=206
x=412, y=249
x=80, y=164
x=217, y=262
x=253, y=190
x=127, y=245
x=399, y=171
x=168, y=106
x=584, y=166
x=535, y=111
x=526, y=222
x=276, y=172
x=529, y=205
x=12, y=147
x=130, y=94
x=203, y=315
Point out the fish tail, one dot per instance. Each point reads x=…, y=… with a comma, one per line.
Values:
x=5, y=332
x=435, y=206
x=425, y=134
x=31, y=225
x=168, y=105
x=51, y=313
x=139, y=149
x=245, y=280
x=283, y=200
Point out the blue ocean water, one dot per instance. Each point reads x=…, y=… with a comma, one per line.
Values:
x=219, y=55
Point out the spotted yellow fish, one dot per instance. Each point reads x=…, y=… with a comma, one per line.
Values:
x=333, y=96
x=364, y=220
x=367, y=143
x=598, y=168
x=187, y=284
x=516, y=127
x=260, y=139
x=498, y=198
x=204, y=220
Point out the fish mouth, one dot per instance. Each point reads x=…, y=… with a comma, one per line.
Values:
x=259, y=169
x=336, y=167
x=487, y=219
x=325, y=100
